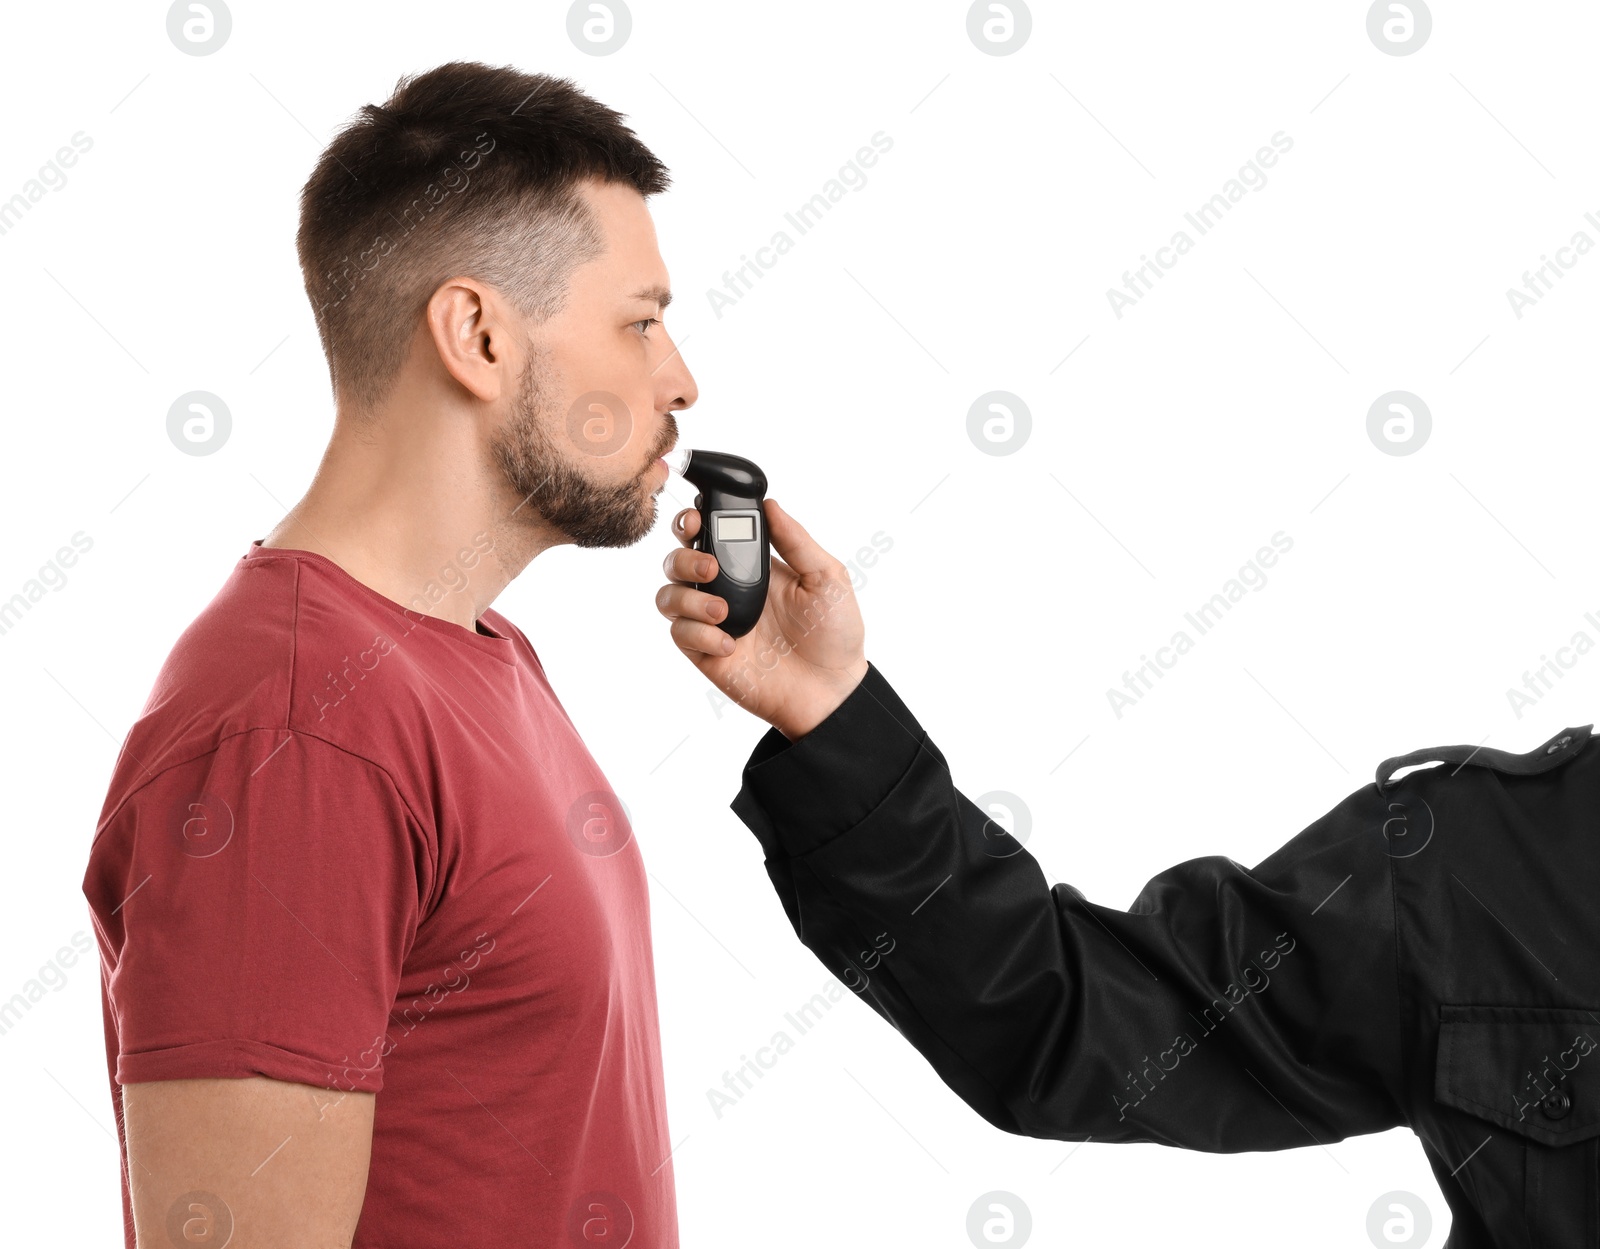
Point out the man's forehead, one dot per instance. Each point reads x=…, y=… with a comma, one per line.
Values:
x=629, y=266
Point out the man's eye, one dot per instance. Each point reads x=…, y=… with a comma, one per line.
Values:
x=647, y=323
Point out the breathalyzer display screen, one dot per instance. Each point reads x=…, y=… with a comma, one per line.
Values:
x=736, y=528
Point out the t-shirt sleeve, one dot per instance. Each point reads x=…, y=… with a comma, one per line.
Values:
x=255, y=906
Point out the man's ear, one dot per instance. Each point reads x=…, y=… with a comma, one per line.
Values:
x=472, y=333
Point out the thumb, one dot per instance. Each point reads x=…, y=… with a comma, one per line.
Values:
x=797, y=547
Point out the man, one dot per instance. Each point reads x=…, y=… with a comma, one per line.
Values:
x=354, y=843
x=1423, y=955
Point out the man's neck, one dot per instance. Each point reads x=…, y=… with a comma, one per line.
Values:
x=425, y=525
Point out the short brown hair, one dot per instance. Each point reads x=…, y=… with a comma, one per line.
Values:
x=466, y=169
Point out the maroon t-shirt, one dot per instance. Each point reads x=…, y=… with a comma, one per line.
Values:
x=358, y=847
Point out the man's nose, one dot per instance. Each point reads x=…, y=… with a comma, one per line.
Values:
x=674, y=378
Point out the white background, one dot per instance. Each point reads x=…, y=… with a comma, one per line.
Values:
x=1229, y=404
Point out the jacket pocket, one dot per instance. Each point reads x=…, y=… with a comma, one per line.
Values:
x=1533, y=1072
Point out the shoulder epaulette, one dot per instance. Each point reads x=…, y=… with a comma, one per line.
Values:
x=1551, y=754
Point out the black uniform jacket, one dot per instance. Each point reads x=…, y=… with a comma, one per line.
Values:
x=1425, y=954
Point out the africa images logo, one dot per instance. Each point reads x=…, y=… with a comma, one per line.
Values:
x=1403, y=835
x=597, y=823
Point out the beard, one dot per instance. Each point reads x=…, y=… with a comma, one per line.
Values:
x=527, y=451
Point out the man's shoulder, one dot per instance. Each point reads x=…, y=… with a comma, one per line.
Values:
x=252, y=659
x=278, y=625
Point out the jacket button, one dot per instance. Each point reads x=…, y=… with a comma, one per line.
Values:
x=1555, y=746
x=1556, y=1105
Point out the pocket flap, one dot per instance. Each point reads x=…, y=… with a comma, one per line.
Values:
x=1533, y=1070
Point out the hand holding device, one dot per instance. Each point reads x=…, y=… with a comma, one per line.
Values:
x=804, y=655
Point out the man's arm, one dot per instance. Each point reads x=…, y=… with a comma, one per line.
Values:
x=281, y=1164
x=1227, y=1009
x=247, y=983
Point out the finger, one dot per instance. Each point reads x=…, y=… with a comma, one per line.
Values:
x=686, y=524
x=689, y=566
x=798, y=548
x=673, y=601
x=697, y=638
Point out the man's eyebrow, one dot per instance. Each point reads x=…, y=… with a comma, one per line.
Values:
x=655, y=294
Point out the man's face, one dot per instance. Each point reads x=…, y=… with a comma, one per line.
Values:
x=594, y=407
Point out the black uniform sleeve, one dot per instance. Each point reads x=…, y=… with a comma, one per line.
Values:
x=1227, y=1009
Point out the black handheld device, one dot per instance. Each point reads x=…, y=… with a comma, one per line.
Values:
x=733, y=527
